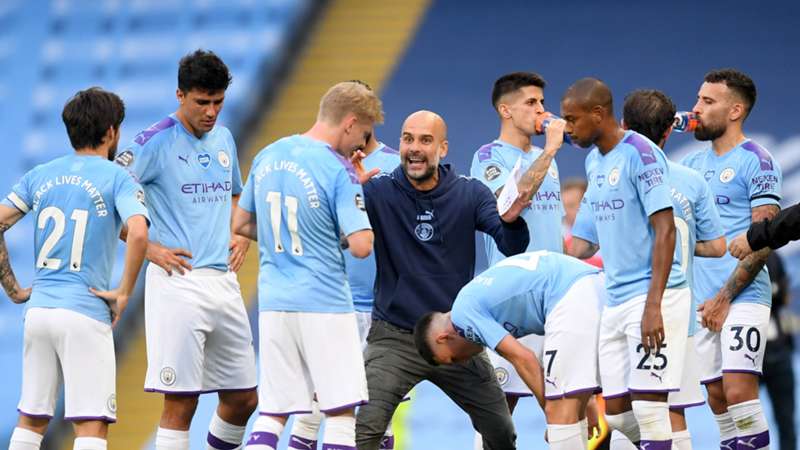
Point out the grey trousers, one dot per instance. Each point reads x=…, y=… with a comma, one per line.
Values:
x=393, y=367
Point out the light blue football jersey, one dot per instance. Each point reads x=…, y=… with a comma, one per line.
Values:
x=492, y=164
x=361, y=272
x=188, y=183
x=515, y=296
x=79, y=205
x=626, y=186
x=696, y=218
x=741, y=179
x=305, y=195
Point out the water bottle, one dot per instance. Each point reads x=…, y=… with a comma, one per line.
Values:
x=544, y=120
x=685, y=122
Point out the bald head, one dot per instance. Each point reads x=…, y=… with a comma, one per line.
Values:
x=427, y=120
x=587, y=93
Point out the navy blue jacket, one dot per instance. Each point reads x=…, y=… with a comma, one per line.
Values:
x=425, y=241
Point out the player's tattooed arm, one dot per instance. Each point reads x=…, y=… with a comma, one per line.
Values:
x=532, y=178
x=8, y=217
x=715, y=310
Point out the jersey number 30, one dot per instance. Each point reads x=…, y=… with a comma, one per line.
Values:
x=80, y=217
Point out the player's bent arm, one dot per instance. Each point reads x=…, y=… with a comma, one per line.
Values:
x=748, y=268
x=714, y=248
x=581, y=248
x=8, y=217
x=244, y=223
x=360, y=243
x=137, y=239
x=526, y=364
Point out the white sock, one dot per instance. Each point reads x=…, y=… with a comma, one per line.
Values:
x=167, y=439
x=478, y=442
x=584, y=429
x=340, y=433
x=89, y=443
x=264, y=436
x=620, y=442
x=387, y=443
x=626, y=424
x=681, y=440
x=727, y=431
x=222, y=435
x=24, y=439
x=565, y=437
x=751, y=425
x=654, y=425
x=305, y=431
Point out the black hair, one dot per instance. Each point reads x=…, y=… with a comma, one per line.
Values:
x=203, y=70
x=89, y=114
x=738, y=82
x=649, y=112
x=514, y=81
x=421, y=330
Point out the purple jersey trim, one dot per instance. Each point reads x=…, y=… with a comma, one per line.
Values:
x=687, y=405
x=154, y=129
x=711, y=380
x=389, y=150
x=644, y=148
x=592, y=390
x=351, y=171
x=485, y=152
x=764, y=158
x=207, y=391
x=343, y=407
x=754, y=372
x=283, y=414
x=105, y=419
x=35, y=416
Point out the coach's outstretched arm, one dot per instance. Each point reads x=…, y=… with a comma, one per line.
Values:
x=510, y=234
x=8, y=217
x=774, y=233
x=136, y=239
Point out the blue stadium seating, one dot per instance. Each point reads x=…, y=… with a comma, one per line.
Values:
x=51, y=49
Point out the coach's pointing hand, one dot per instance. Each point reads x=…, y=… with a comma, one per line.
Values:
x=238, y=250
x=358, y=164
x=168, y=258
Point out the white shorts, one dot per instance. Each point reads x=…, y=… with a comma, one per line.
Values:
x=690, y=393
x=568, y=350
x=198, y=333
x=739, y=347
x=364, y=321
x=303, y=354
x=64, y=344
x=624, y=366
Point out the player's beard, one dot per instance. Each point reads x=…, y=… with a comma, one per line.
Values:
x=708, y=132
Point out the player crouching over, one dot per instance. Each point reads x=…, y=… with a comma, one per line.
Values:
x=537, y=292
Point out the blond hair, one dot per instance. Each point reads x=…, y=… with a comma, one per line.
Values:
x=350, y=97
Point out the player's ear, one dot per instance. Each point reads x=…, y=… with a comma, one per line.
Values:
x=736, y=111
x=504, y=111
x=349, y=122
x=180, y=95
x=443, y=148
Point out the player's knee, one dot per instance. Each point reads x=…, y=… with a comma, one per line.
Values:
x=240, y=403
x=91, y=428
x=36, y=424
x=179, y=410
x=560, y=412
x=738, y=394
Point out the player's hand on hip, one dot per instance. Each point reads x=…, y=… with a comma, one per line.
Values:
x=554, y=135
x=358, y=164
x=652, y=328
x=238, y=250
x=116, y=300
x=739, y=246
x=714, y=312
x=20, y=295
x=168, y=259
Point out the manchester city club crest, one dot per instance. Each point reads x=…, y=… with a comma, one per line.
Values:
x=613, y=176
x=502, y=375
x=111, y=403
x=553, y=172
x=168, y=376
x=727, y=175
x=223, y=159
x=424, y=231
x=204, y=159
